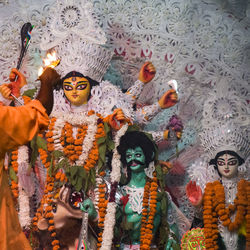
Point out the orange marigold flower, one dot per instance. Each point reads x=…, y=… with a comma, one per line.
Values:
x=51, y=228
x=53, y=234
x=55, y=242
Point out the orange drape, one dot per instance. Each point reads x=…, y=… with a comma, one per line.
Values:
x=18, y=125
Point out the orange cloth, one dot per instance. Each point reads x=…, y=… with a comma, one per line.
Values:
x=18, y=125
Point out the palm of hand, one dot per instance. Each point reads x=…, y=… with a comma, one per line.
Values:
x=194, y=193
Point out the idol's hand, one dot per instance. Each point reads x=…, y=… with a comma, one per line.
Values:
x=147, y=72
x=5, y=91
x=166, y=132
x=166, y=166
x=15, y=86
x=117, y=119
x=49, y=76
x=48, y=79
x=178, y=134
x=168, y=99
x=88, y=207
x=194, y=193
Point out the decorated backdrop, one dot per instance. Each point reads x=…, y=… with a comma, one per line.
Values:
x=201, y=44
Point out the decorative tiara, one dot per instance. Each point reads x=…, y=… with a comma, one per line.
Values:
x=226, y=136
x=225, y=123
x=74, y=34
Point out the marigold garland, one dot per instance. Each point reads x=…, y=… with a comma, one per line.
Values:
x=14, y=165
x=45, y=209
x=102, y=209
x=73, y=148
x=214, y=207
x=147, y=221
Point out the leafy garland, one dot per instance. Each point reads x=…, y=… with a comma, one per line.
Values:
x=61, y=158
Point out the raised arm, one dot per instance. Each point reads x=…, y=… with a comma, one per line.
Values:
x=18, y=125
x=146, y=74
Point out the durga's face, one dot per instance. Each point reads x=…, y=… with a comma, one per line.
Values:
x=77, y=90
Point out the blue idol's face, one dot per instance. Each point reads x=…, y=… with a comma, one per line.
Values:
x=135, y=159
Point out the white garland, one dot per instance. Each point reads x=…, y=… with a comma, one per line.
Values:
x=24, y=208
x=115, y=175
x=98, y=180
x=116, y=163
x=59, y=124
x=23, y=198
x=88, y=140
x=109, y=224
x=74, y=120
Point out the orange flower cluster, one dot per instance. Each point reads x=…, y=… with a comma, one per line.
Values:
x=49, y=135
x=148, y=212
x=14, y=164
x=60, y=176
x=214, y=208
x=73, y=147
x=102, y=207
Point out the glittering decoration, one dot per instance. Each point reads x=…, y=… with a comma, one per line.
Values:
x=193, y=240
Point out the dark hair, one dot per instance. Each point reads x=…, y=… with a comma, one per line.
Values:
x=76, y=74
x=233, y=153
x=135, y=139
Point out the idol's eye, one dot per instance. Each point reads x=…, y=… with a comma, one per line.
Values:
x=220, y=163
x=67, y=87
x=81, y=87
x=75, y=199
x=233, y=162
x=138, y=155
x=128, y=156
